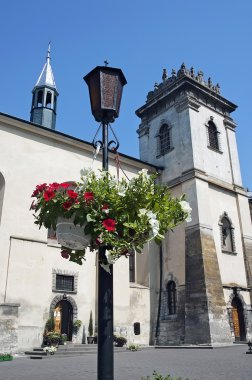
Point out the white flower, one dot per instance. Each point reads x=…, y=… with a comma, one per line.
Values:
x=110, y=257
x=153, y=222
x=142, y=211
x=144, y=172
x=105, y=267
x=121, y=189
x=187, y=209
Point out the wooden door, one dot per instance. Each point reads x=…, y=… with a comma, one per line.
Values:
x=236, y=324
x=57, y=318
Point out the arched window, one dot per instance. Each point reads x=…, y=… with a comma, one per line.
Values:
x=164, y=139
x=171, y=294
x=213, y=135
x=40, y=99
x=227, y=234
x=49, y=99
x=2, y=186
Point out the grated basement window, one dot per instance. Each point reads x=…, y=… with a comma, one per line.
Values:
x=65, y=283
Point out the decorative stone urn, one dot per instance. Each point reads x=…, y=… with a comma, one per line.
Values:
x=71, y=236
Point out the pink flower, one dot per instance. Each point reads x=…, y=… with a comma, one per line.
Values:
x=48, y=195
x=65, y=253
x=109, y=224
x=72, y=194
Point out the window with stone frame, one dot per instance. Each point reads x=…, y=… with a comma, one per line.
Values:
x=227, y=234
x=64, y=281
x=171, y=295
x=213, y=136
x=165, y=141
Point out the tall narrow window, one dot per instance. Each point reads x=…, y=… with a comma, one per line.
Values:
x=213, y=136
x=164, y=139
x=227, y=235
x=40, y=99
x=171, y=293
x=2, y=185
x=49, y=99
x=132, y=267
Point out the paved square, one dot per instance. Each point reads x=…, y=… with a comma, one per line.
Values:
x=230, y=363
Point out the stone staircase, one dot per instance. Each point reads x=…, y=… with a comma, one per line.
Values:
x=68, y=350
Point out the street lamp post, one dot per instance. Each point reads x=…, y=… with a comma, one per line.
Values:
x=105, y=86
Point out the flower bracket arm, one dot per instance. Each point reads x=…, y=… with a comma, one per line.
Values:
x=97, y=142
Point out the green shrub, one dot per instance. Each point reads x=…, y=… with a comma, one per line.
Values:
x=90, y=325
x=133, y=347
x=5, y=357
x=158, y=376
x=50, y=324
x=120, y=341
x=77, y=324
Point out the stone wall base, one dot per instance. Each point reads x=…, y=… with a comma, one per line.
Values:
x=9, y=327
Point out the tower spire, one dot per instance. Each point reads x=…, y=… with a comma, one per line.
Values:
x=45, y=94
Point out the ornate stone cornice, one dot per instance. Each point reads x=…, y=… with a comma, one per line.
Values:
x=187, y=101
x=184, y=81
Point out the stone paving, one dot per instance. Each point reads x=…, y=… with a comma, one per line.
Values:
x=229, y=363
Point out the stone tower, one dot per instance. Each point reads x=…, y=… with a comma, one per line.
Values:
x=44, y=100
x=206, y=265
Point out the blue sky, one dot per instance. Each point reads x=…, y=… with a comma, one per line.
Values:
x=141, y=37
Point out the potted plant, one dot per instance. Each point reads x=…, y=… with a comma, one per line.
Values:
x=52, y=338
x=119, y=340
x=119, y=215
x=90, y=338
x=63, y=338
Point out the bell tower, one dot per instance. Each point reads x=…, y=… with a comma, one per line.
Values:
x=186, y=128
x=44, y=100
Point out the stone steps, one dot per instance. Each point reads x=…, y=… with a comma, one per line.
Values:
x=68, y=350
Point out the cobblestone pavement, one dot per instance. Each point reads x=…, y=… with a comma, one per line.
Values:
x=230, y=363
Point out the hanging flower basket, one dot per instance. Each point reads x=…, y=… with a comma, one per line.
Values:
x=70, y=235
x=100, y=211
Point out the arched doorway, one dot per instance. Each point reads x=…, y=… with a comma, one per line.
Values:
x=63, y=318
x=238, y=319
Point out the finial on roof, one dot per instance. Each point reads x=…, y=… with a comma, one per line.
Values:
x=164, y=76
x=46, y=77
x=106, y=62
x=49, y=51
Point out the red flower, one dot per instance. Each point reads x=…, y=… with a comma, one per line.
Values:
x=39, y=189
x=48, y=195
x=72, y=194
x=88, y=196
x=65, y=254
x=33, y=206
x=65, y=185
x=109, y=224
x=105, y=206
x=67, y=205
x=54, y=186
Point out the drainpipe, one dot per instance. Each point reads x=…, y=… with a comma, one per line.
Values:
x=160, y=289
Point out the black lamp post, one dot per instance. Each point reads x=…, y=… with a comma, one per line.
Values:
x=105, y=86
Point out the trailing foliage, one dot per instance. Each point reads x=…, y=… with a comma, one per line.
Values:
x=119, y=215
